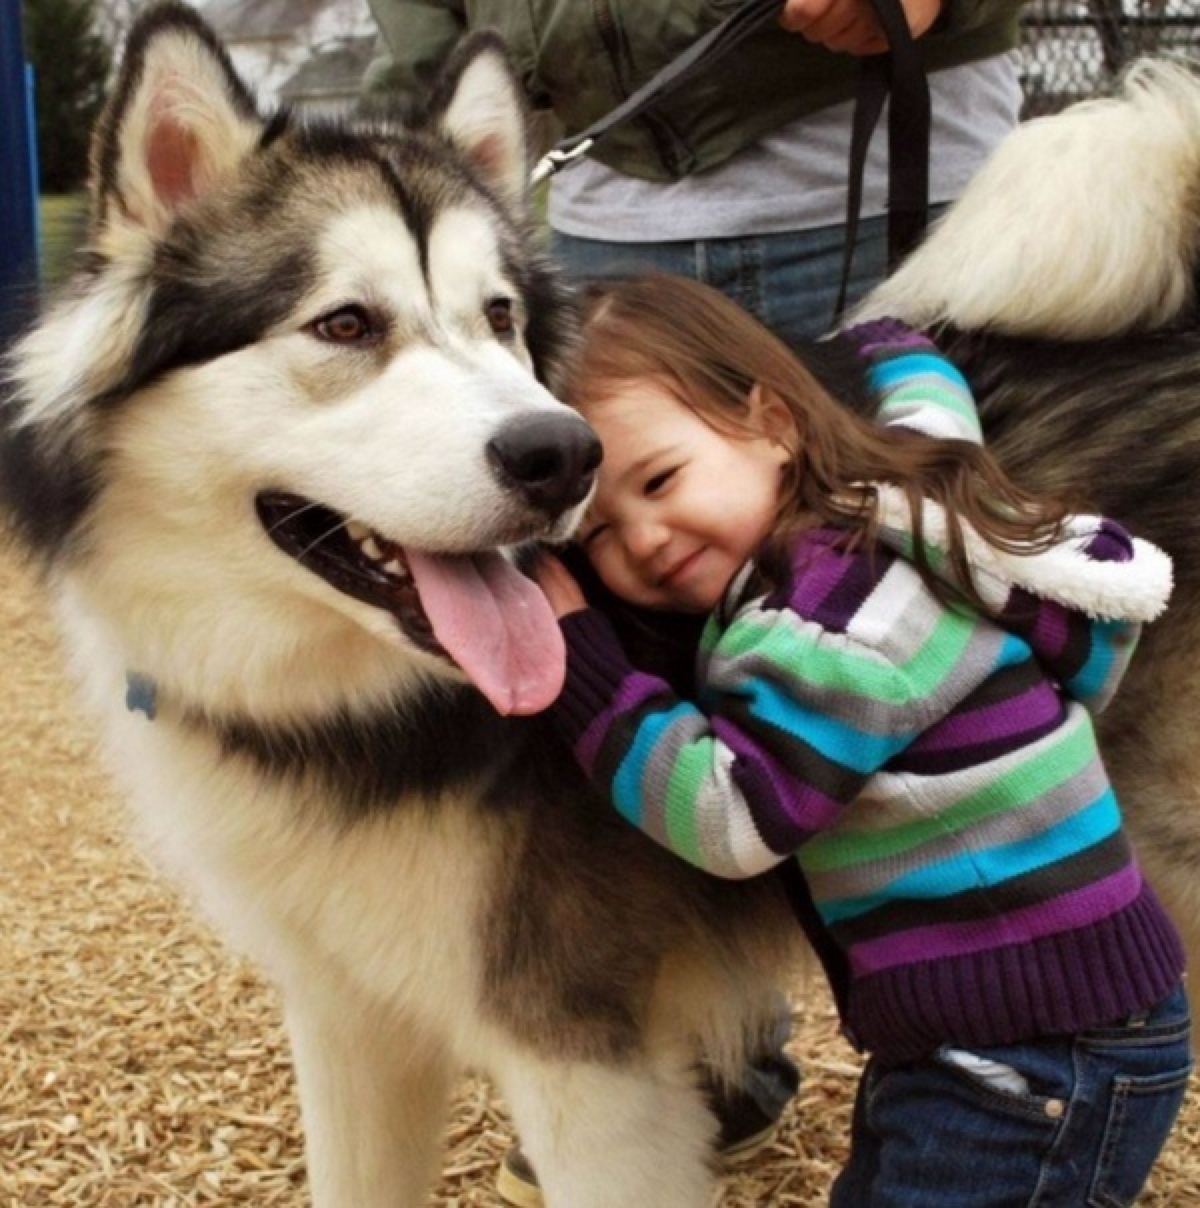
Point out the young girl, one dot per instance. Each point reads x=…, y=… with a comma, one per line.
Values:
x=889, y=705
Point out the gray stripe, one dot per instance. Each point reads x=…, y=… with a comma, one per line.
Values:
x=910, y=632
x=910, y=799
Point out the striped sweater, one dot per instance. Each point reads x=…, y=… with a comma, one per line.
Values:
x=932, y=772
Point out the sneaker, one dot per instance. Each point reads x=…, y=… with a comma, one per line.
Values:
x=748, y=1116
x=516, y=1183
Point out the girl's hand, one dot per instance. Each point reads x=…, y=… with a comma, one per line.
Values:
x=850, y=26
x=559, y=586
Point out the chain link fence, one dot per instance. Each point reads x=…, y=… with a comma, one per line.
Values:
x=1073, y=49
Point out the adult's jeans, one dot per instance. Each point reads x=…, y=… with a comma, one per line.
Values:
x=789, y=281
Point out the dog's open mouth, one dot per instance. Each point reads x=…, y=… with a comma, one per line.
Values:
x=475, y=610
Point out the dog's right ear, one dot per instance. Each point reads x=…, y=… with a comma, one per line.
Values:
x=179, y=123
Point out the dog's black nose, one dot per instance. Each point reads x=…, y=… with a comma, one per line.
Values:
x=550, y=458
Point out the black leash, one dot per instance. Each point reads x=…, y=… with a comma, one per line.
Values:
x=698, y=57
x=898, y=74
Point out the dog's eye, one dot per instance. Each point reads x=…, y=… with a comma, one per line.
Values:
x=499, y=313
x=348, y=325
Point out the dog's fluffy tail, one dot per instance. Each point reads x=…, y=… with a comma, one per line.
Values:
x=1081, y=225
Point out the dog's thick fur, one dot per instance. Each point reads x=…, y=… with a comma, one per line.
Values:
x=354, y=316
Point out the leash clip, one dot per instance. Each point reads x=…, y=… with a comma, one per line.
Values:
x=554, y=161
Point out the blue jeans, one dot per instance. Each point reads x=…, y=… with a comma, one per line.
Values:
x=788, y=281
x=1081, y=1128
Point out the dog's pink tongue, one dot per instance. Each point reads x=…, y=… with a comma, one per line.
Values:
x=496, y=625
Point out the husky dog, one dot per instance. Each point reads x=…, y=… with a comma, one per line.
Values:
x=279, y=449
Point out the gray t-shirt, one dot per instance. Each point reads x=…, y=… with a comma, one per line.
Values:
x=795, y=178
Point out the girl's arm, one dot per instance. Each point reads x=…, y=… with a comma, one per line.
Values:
x=790, y=722
x=917, y=387
x=1082, y=590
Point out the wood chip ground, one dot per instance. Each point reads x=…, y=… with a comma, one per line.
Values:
x=143, y=1067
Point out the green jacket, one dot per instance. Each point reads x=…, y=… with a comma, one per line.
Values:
x=581, y=58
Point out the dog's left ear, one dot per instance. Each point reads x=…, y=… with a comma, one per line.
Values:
x=478, y=104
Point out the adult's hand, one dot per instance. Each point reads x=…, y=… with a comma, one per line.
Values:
x=850, y=26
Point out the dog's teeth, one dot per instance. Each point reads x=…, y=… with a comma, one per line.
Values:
x=397, y=568
x=357, y=532
x=370, y=547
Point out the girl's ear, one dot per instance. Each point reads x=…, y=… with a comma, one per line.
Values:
x=773, y=418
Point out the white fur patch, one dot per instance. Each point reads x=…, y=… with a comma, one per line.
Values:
x=79, y=350
x=1081, y=225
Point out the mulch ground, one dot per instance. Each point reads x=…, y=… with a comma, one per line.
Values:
x=143, y=1067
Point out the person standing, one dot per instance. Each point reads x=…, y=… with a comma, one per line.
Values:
x=739, y=178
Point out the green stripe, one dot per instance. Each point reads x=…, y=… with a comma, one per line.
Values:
x=796, y=652
x=1028, y=780
x=688, y=775
x=927, y=391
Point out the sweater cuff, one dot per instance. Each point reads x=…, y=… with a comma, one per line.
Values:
x=879, y=339
x=597, y=665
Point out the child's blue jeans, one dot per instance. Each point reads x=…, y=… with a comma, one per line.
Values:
x=1073, y=1122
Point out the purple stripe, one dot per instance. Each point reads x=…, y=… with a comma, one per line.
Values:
x=819, y=575
x=882, y=334
x=1081, y=908
x=896, y=344
x=1051, y=631
x=805, y=807
x=1110, y=543
x=634, y=691
x=1038, y=706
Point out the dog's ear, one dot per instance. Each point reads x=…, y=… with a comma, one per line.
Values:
x=478, y=104
x=179, y=123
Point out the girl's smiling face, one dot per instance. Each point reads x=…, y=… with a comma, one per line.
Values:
x=679, y=506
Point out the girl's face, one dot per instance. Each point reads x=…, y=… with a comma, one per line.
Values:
x=679, y=505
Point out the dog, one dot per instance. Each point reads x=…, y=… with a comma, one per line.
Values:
x=279, y=450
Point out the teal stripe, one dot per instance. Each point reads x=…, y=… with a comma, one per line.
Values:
x=1090, y=681
x=979, y=869
x=1013, y=651
x=627, y=783
x=843, y=744
x=919, y=383
x=901, y=368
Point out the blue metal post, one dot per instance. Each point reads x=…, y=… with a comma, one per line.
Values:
x=34, y=166
x=18, y=181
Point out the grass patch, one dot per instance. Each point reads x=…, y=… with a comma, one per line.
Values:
x=63, y=219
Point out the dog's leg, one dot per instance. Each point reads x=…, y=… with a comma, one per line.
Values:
x=612, y=1137
x=373, y=1096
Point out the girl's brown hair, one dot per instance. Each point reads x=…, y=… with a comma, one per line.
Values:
x=709, y=353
